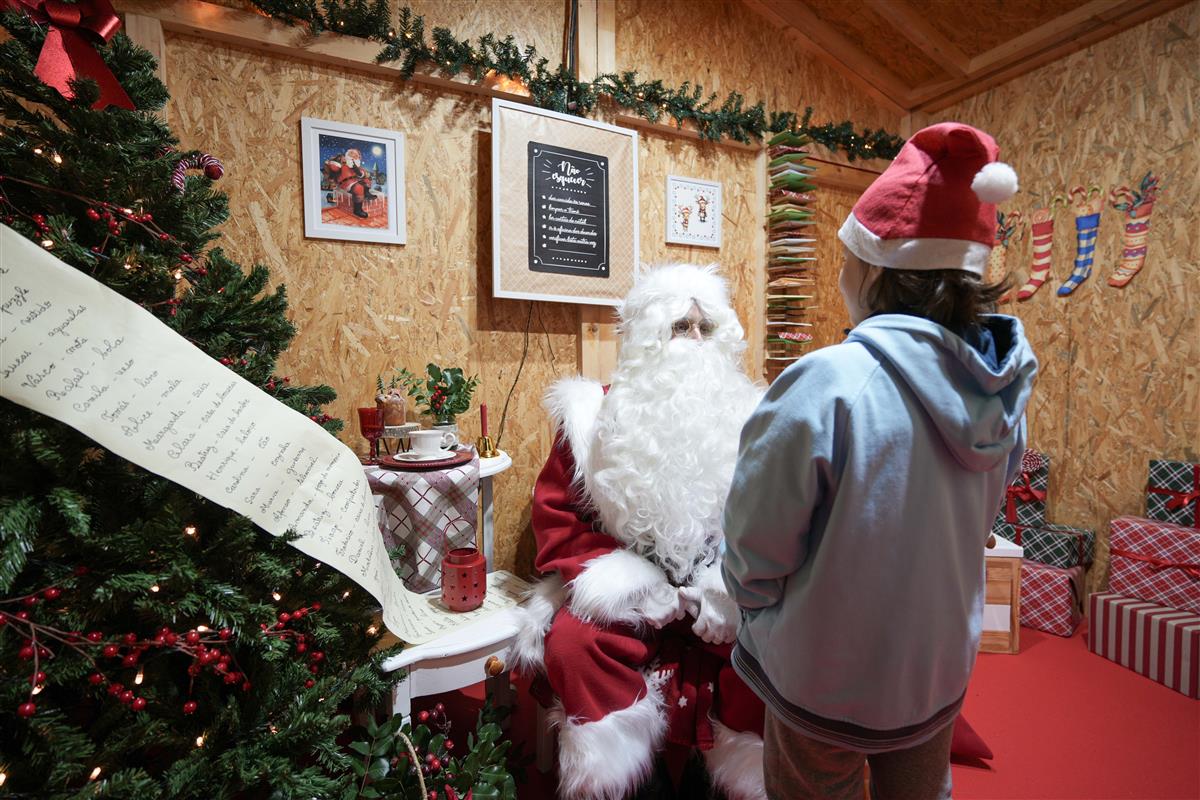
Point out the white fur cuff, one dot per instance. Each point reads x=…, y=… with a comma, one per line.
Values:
x=612, y=584
x=608, y=759
x=536, y=613
x=736, y=764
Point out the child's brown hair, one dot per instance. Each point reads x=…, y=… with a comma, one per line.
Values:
x=953, y=298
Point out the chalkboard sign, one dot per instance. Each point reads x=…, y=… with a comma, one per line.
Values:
x=568, y=211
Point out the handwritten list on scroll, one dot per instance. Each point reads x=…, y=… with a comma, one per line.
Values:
x=568, y=211
x=73, y=349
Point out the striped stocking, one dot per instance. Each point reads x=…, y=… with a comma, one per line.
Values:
x=1041, y=229
x=1137, y=207
x=1087, y=224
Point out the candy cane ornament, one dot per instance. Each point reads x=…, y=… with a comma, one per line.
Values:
x=213, y=170
x=1087, y=204
x=1137, y=206
x=1041, y=229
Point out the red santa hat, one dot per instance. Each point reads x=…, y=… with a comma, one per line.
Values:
x=934, y=207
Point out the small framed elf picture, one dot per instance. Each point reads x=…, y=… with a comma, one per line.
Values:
x=353, y=182
x=693, y=212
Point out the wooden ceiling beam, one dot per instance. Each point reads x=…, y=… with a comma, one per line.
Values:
x=911, y=24
x=1055, y=30
x=819, y=38
x=935, y=97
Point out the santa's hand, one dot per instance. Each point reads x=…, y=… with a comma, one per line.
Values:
x=662, y=606
x=717, y=620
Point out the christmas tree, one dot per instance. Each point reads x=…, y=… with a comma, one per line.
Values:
x=152, y=643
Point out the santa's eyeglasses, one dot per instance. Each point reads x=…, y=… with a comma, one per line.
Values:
x=681, y=327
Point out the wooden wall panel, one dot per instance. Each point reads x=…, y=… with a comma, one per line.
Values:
x=1119, y=382
x=365, y=309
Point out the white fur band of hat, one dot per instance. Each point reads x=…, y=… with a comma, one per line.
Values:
x=934, y=207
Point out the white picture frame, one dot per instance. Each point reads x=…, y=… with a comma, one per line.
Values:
x=357, y=202
x=694, y=211
x=521, y=270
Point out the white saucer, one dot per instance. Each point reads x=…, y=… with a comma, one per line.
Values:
x=419, y=458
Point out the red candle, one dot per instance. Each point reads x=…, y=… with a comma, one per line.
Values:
x=483, y=418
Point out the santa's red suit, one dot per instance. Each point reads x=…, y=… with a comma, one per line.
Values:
x=633, y=628
x=351, y=177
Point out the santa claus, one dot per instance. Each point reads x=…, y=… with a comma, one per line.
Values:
x=633, y=628
x=349, y=175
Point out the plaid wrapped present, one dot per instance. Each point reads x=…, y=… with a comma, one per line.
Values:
x=1155, y=561
x=1056, y=545
x=1161, y=643
x=1025, y=500
x=1173, y=493
x=1051, y=598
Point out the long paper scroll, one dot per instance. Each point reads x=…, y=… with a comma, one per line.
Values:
x=75, y=350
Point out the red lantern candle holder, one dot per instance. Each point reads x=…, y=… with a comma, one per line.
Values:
x=464, y=579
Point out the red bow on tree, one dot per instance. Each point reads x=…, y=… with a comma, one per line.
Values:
x=76, y=29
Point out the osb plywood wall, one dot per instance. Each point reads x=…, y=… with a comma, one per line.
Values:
x=1119, y=377
x=365, y=309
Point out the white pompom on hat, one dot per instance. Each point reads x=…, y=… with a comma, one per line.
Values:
x=934, y=207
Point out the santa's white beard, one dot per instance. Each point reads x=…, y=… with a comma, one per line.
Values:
x=663, y=452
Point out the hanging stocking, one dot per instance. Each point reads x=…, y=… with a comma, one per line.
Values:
x=997, y=269
x=1087, y=204
x=1137, y=206
x=1041, y=229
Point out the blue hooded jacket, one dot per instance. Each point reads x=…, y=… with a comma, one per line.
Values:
x=855, y=528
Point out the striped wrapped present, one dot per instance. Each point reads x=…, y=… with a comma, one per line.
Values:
x=1155, y=561
x=1173, y=492
x=1056, y=545
x=1152, y=640
x=1051, y=598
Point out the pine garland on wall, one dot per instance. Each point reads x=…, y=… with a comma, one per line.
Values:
x=555, y=88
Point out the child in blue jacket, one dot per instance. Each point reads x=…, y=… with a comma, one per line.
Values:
x=866, y=484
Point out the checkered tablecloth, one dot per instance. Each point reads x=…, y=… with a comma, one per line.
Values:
x=427, y=513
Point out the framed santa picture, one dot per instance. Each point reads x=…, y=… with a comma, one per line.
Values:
x=353, y=182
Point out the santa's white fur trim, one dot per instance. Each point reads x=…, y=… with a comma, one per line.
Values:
x=573, y=404
x=995, y=183
x=710, y=578
x=913, y=253
x=536, y=613
x=736, y=763
x=609, y=758
x=611, y=586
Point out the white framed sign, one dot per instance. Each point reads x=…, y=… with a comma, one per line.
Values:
x=353, y=182
x=693, y=212
x=564, y=207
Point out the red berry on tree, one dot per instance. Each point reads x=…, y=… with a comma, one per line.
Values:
x=449, y=745
x=95, y=636
x=22, y=615
x=43, y=652
x=285, y=617
x=190, y=707
x=138, y=703
x=25, y=653
x=38, y=677
x=30, y=601
x=110, y=651
x=95, y=679
x=300, y=648
x=164, y=237
x=185, y=258
x=439, y=708
x=317, y=656
x=314, y=669
x=115, y=688
x=39, y=219
x=315, y=606
x=52, y=593
x=435, y=765
x=93, y=214
x=126, y=696
x=246, y=686
x=129, y=660
x=170, y=639
x=26, y=710
x=225, y=634
x=308, y=684
x=129, y=638
x=192, y=637
x=423, y=717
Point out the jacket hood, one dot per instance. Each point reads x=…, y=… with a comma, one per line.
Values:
x=976, y=403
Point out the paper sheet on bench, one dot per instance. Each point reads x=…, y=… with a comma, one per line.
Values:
x=75, y=350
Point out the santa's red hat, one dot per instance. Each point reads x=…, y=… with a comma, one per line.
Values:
x=934, y=207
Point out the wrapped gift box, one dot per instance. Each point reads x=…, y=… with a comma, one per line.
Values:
x=1155, y=561
x=1159, y=642
x=1025, y=500
x=1057, y=545
x=1173, y=494
x=1051, y=598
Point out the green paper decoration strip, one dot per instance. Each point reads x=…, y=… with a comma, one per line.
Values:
x=555, y=88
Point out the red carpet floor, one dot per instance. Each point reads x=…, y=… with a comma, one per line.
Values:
x=1064, y=724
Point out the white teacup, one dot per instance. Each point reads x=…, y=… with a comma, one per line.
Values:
x=432, y=443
